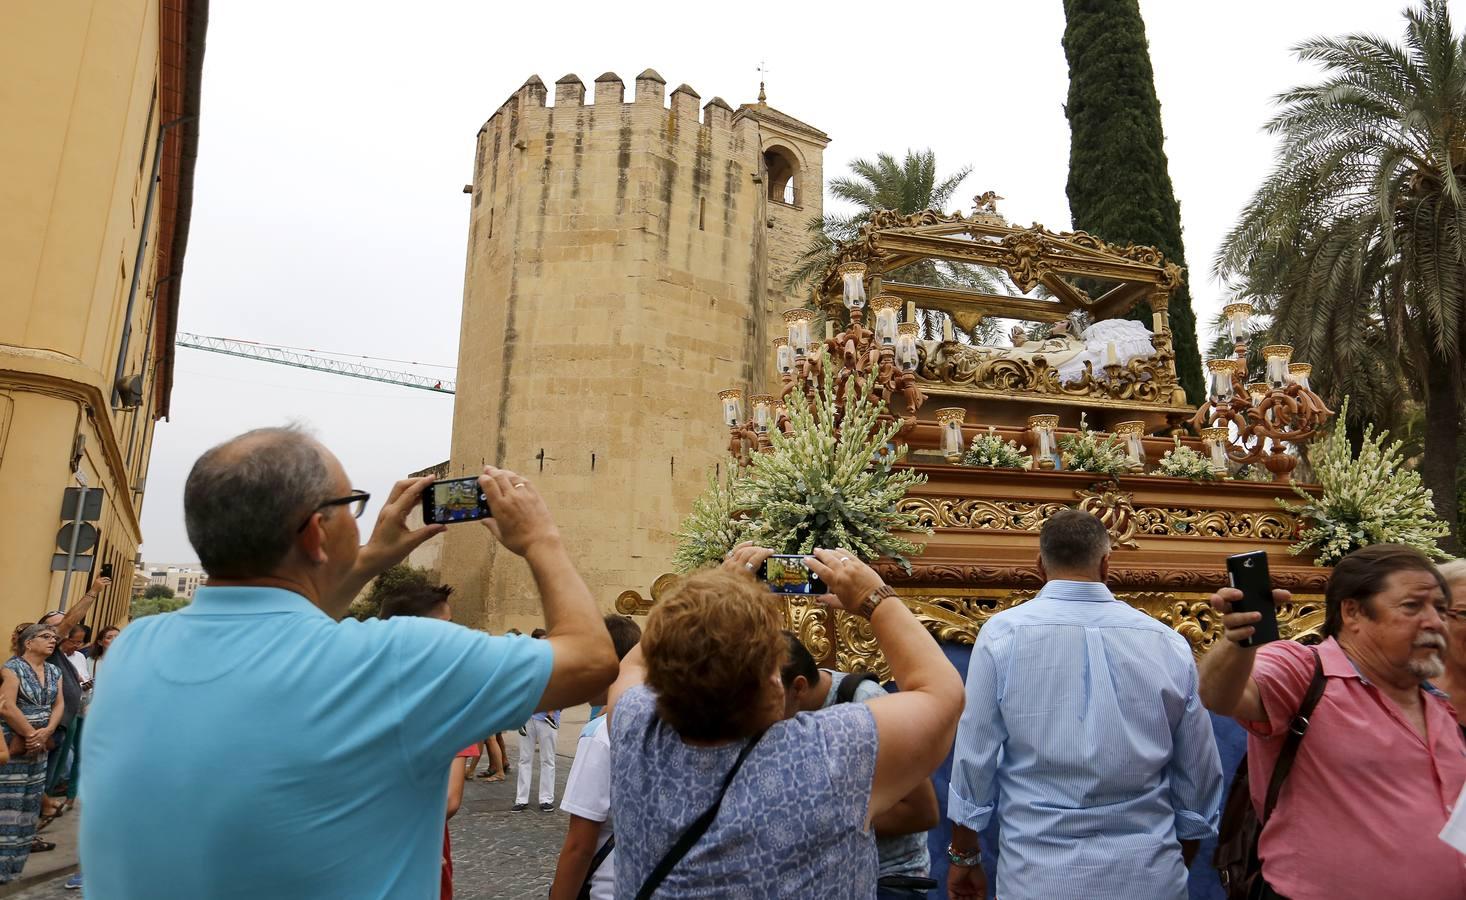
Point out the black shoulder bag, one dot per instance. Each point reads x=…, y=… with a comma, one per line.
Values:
x=695, y=831
x=1236, y=860
x=595, y=864
x=851, y=683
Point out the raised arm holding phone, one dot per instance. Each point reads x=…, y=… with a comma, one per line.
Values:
x=258, y=671
x=713, y=699
x=1365, y=733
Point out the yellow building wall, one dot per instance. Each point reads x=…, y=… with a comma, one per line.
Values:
x=78, y=86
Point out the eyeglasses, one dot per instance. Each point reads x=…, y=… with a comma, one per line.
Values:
x=355, y=504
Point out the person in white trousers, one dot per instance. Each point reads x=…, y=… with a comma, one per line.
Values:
x=539, y=731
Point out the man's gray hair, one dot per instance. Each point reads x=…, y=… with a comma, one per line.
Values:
x=245, y=500
x=1072, y=540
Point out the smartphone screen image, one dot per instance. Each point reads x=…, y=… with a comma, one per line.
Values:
x=454, y=500
x=787, y=574
x=1249, y=574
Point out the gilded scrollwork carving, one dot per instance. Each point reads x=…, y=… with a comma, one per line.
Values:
x=1113, y=507
x=1023, y=257
x=1029, y=515
x=1149, y=379
x=957, y=614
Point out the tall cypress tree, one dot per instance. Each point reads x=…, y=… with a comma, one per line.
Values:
x=1119, y=187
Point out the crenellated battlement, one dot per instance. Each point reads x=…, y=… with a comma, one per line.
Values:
x=609, y=90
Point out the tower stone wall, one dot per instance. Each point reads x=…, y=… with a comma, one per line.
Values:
x=625, y=263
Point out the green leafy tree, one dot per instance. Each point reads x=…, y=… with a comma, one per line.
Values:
x=1119, y=184
x=154, y=601
x=393, y=580
x=1355, y=243
x=908, y=186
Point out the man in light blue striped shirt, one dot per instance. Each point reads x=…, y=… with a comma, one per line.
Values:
x=1084, y=733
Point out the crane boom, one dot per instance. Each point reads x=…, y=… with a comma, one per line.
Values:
x=281, y=356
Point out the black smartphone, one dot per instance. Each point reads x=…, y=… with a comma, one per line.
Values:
x=454, y=500
x=786, y=573
x=106, y=571
x=1248, y=572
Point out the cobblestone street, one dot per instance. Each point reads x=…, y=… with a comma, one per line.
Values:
x=496, y=853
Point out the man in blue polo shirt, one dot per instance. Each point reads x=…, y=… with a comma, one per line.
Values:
x=251, y=746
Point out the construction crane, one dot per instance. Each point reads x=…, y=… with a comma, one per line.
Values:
x=286, y=356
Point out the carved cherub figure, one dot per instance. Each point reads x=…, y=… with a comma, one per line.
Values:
x=986, y=203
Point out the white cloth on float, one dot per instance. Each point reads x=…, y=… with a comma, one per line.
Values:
x=1131, y=339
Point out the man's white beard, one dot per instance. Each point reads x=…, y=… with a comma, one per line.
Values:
x=1426, y=669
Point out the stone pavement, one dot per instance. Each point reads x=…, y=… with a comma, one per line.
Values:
x=496, y=853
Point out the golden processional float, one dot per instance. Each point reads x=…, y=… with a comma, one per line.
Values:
x=1170, y=535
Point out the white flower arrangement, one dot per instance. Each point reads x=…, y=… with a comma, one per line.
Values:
x=1373, y=498
x=830, y=481
x=992, y=452
x=713, y=527
x=1183, y=462
x=1086, y=451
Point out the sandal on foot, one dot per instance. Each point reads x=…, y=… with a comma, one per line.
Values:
x=46, y=820
x=40, y=846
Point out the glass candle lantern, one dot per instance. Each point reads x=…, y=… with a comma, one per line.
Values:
x=1133, y=434
x=732, y=407
x=1257, y=390
x=799, y=322
x=1220, y=379
x=1042, y=428
x=1238, y=315
x=1215, y=441
x=887, y=311
x=852, y=275
x=906, y=345
x=1277, y=357
x=763, y=411
x=1298, y=373
x=783, y=356
x=950, y=418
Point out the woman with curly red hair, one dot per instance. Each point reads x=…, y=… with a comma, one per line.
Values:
x=715, y=793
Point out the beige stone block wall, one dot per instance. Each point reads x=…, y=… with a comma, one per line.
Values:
x=618, y=276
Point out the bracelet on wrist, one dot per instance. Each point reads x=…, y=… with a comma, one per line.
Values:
x=964, y=860
x=867, y=607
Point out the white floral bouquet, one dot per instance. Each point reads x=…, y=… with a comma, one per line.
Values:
x=1086, y=451
x=992, y=452
x=831, y=481
x=713, y=527
x=1183, y=462
x=1373, y=498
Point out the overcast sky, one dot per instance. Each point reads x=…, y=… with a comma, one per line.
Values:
x=336, y=139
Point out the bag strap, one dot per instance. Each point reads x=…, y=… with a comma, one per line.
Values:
x=845, y=691
x=695, y=831
x=595, y=863
x=1296, y=729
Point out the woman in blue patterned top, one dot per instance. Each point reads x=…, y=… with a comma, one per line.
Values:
x=31, y=706
x=794, y=818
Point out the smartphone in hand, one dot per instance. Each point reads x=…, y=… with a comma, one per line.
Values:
x=1248, y=573
x=454, y=500
x=786, y=573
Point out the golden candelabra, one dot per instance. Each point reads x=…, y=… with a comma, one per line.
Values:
x=880, y=361
x=1249, y=422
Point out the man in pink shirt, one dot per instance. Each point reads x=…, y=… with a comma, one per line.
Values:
x=1383, y=760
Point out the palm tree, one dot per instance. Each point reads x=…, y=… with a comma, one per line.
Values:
x=1356, y=241
x=909, y=186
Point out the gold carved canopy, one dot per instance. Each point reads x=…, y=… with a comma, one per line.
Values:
x=1031, y=257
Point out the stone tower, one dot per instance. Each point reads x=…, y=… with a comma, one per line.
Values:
x=626, y=261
